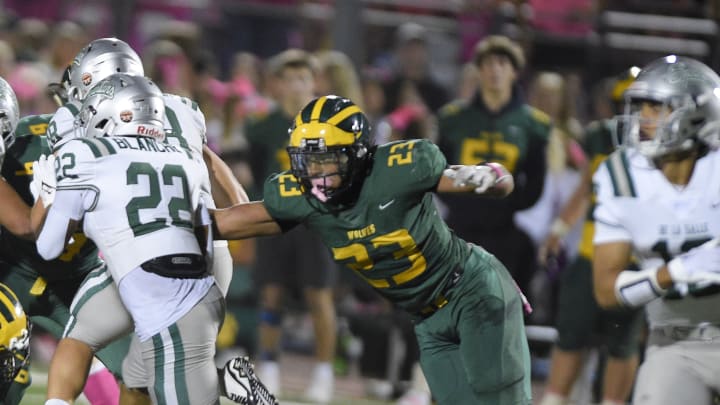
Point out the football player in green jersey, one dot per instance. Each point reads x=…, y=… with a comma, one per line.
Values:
x=372, y=206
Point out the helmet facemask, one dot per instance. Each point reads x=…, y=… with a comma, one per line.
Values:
x=327, y=174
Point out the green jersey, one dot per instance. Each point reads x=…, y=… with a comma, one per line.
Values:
x=516, y=136
x=81, y=255
x=268, y=138
x=597, y=144
x=393, y=236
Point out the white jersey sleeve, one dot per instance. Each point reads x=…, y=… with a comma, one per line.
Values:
x=184, y=123
x=62, y=127
x=608, y=213
x=185, y=127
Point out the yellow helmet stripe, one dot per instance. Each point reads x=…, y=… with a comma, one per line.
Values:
x=339, y=117
x=10, y=294
x=7, y=309
x=298, y=120
x=317, y=108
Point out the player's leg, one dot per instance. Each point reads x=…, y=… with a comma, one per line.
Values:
x=317, y=274
x=489, y=320
x=576, y=322
x=621, y=329
x=273, y=267
x=180, y=359
x=668, y=376
x=98, y=317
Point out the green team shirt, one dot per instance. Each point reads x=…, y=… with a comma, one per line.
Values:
x=81, y=255
x=268, y=138
x=597, y=144
x=393, y=237
x=515, y=136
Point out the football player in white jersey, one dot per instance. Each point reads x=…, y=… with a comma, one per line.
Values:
x=138, y=199
x=658, y=199
x=185, y=126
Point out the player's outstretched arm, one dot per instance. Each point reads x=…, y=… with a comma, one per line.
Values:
x=245, y=220
x=227, y=191
x=489, y=179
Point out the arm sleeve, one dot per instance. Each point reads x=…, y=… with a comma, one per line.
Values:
x=607, y=213
x=68, y=206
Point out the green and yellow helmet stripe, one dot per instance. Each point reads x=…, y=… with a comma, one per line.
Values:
x=12, y=317
x=320, y=119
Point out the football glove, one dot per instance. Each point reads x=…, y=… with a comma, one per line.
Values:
x=241, y=385
x=44, y=182
x=700, y=264
x=482, y=177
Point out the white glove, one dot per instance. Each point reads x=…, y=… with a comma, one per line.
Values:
x=481, y=177
x=700, y=264
x=44, y=182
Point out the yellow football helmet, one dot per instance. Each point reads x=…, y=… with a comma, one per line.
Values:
x=14, y=336
x=331, y=132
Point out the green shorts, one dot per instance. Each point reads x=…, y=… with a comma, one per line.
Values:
x=474, y=350
x=581, y=323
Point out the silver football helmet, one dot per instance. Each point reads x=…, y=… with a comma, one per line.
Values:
x=9, y=113
x=123, y=104
x=98, y=60
x=683, y=95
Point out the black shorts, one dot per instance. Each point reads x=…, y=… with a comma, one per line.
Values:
x=295, y=259
x=581, y=323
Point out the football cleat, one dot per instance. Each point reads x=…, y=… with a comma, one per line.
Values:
x=242, y=386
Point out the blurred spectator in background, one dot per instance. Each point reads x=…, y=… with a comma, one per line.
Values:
x=337, y=75
x=413, y=68
x=497, y=125
x=580, y=322
x=67, y=39
x=468, y=82
x=565, y=159
x=296, y=260
x=169, y=66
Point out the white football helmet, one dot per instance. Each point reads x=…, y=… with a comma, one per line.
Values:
x=98, y=60
x=9, y=113
x=686, y=95
x=123, y=104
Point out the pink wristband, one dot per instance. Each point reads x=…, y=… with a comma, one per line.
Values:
x=496, y=168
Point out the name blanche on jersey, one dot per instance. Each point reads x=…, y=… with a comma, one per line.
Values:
x=143, y=143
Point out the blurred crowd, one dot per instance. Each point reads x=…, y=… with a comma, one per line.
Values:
x=232, y=58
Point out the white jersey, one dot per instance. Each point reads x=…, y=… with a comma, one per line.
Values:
x=637, y=204
x=140, y=197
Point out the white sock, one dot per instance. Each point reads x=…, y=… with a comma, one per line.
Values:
x=55, y=401
x=551, y=398
x=323, y=370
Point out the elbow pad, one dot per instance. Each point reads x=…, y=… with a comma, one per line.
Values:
x=637, y=288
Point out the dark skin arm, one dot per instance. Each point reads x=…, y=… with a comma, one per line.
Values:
x=245, y=220
x=226, y=190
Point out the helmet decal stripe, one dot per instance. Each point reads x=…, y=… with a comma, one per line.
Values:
x=340, y=116
x=6, y=310
x=317, y=109
x=10, y=295
x=298, y=120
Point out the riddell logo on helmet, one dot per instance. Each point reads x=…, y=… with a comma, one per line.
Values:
x=126, y=116
x=86, y=79
x=149, y=131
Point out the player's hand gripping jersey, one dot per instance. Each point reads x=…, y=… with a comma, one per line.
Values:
x=681, y=218
x=392, y=236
